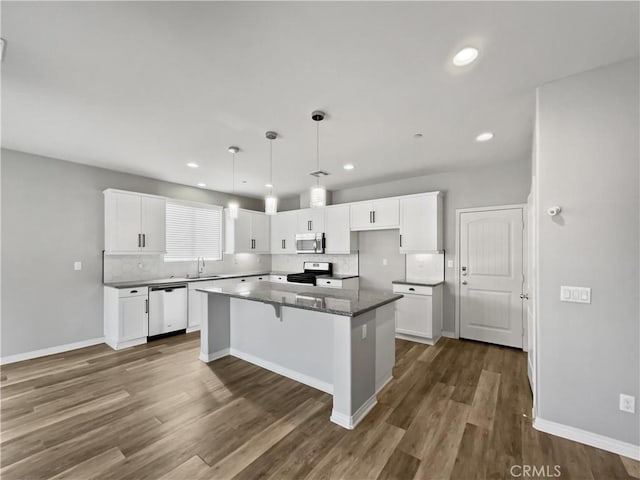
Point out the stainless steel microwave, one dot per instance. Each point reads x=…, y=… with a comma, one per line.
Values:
x=310, y=243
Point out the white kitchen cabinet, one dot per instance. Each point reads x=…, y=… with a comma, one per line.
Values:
x=311, y=220
x=421, y=223
x=249, y=233
x=260, y=232
x=375, y=215
x=134, y=223
x=346, y=283
x=126, y=316
x=284, y=227
x=339, y=237
x=419, y=313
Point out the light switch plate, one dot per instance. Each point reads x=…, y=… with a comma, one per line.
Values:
x=575, y=294
x=449, y=263
x=77, y=265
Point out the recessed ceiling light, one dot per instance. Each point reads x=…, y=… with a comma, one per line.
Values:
x=348, y=166
x=484, y=137
x=202, y=185
x=192, y=165
x=268, y=185
x=417, y=135
x=244, y=181
x=465, y=56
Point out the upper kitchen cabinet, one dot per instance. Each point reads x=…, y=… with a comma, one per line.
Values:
x=249, y=233
x=134, y=223
x=421, y=223
x=376, y=214
x=339, y=237
x=311, y=220
x=284, y=226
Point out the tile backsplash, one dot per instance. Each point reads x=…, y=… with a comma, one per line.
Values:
x=342, y=264
x=119, y=268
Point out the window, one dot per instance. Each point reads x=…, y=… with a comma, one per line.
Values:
x=193, y=230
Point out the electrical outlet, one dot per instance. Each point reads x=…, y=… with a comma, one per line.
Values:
x=385, y=262
x=449, y=263
x=627, y=403
x=364, y=331
x=77, y=265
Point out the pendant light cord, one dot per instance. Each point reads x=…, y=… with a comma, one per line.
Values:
x=233, y=188
x=271, y=166
x=318, y=151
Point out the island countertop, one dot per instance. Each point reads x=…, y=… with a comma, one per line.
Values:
x=347, y=302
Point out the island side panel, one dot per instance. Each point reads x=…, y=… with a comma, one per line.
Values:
x=292, y=342
x=385, y=344
x=215, y=329
x=354, y=368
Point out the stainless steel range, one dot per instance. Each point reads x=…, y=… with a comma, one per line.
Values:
x=312, y=270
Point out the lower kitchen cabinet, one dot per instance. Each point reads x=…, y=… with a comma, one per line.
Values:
x=346, y=283
x=419, y=313
x=126, y=316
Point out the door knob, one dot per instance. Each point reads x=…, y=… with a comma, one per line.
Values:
x=464, y=282
x=524, y=296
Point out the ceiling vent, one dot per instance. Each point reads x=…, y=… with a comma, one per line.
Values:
x=319, y=173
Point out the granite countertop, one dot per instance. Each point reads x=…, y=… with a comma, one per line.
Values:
x=350, y=303
x=421, y=283
x=171, y=280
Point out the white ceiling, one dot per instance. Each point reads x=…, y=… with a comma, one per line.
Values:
x=145, y=87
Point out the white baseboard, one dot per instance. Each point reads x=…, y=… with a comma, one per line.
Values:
x=351, y=422
x=449, y=334
x=415, y=338
x=588, y=438
x=285, y=372
x=19, y=357
x=381, y=385
x=126, y=344
x=214, y=356
x=193, y=329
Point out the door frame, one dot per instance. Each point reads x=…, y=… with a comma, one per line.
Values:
x=459, y=212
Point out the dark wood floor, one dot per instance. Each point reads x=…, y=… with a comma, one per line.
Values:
x=458, y=410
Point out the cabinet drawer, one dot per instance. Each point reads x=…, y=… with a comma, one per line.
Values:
x=328, y=282
x=412, y=289
x=133, y=292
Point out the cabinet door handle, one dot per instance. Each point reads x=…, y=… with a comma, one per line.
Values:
x=412, y=289
x=374, y=216
x=370, y=217
x=139, y=240
x=144, y=240
x=284, y=244
x=146, y=305
x=400, y=240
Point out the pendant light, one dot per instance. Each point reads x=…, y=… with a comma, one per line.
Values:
x=270, y=201
x=317, y=193
x=233, y=205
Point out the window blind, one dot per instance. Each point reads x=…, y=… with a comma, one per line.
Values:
x=193, y=231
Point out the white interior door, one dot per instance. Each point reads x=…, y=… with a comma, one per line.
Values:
x=491, y=276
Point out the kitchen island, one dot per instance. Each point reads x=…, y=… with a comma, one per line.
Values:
x=338, y=341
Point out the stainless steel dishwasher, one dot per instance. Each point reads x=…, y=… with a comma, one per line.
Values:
x=167, y=309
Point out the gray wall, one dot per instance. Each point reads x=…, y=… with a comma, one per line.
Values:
x=375, y=247
x=52, y=215
x=588, y=164
x=496, y=185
